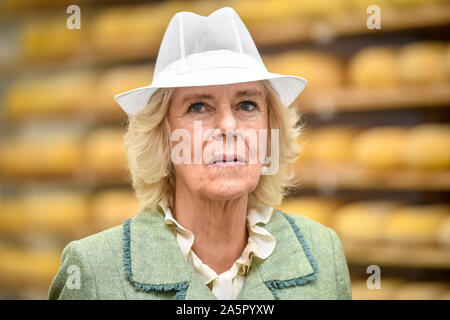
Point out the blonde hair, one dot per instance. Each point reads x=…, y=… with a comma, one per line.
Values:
x=147, y=145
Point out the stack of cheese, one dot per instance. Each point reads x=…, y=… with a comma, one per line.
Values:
x=44, y=96
x=114, y=81
x=424, y=147
x=57, y=153
x=46, y=154
x=322, y=70
x=27, y=268
x=419, y=63
x=376, y=221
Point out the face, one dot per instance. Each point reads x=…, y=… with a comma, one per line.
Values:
x=221, y=160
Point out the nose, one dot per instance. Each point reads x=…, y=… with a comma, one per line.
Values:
x=226, y=120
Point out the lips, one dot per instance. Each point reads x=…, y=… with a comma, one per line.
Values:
x=227, y=159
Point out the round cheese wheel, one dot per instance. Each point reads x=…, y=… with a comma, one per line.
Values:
x=104, y=151
x=423, y=63
x=57, y=212
x=374, y=67
x=329, y=144
x=415, y=224
x=379, y=147
x=363, y=221
x=361, y=291
x=320, y=69
x=119, y=80
x=315, y=208
x=427, y=146
x=443, y=232
x=110, y=208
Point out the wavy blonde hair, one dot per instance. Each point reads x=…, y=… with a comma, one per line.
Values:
x=147, y=145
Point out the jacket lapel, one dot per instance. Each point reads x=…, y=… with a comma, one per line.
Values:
x=153, y=260
x=290, y=264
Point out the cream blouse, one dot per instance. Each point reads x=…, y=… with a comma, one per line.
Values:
x=227, y=285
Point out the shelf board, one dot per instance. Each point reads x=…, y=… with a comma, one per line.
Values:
x=287, y=31
x=397, y=256
x=81, y=179
x=331, y=177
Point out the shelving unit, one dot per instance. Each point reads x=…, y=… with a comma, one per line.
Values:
x=343, y=29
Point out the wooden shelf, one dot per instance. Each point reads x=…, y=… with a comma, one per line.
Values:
x=397, y=256
x=352, y=99
x=266, y=34
x=349, y=176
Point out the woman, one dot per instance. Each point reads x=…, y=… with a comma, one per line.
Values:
x=208, y=176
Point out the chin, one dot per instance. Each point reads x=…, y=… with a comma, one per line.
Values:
x=224, y=189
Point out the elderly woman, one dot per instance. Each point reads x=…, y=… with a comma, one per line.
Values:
x=208, y=228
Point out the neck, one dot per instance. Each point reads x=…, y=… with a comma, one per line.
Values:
x=219, y=227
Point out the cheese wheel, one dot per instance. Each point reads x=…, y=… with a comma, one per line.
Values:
x=119, y=29
x=374, y=67
x=361, y=291
x=363, y=221
x=12, y=216
x=415, y=224
x=379, y=147
x=427, y=146
x=330, y=144
x=420, y=291
x=104, y=151
x=58, y=212
x=49, y=95
x=42, y=155
x=110, y=208
x=423, y=63
x=50, y=38
x=443, y=232
x=315, y=208
x=119, y=80
x=255, y=12
x=25, y=268
x=320, y=69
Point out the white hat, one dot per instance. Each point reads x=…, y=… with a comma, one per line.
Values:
x=203, y=51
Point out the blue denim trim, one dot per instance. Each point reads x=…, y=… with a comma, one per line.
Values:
x=278, y=284
x=180, y=287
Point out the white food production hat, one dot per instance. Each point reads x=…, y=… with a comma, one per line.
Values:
x=204, y=51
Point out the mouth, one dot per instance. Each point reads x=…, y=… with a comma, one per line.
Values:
x=230, y=160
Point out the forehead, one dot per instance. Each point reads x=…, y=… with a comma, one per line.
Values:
x=254, y=89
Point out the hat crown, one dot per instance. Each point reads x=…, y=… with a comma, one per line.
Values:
x=189, y=33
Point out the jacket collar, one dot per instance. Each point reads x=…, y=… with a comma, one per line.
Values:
x=150, y=246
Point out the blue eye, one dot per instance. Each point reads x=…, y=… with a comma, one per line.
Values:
x=248, y=105
x=197, y=107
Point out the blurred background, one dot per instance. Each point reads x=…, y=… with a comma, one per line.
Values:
x=376, y=151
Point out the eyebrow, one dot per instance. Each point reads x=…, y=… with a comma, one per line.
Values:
x=242, y=93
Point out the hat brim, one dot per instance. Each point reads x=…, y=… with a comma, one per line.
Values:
x=287, y=86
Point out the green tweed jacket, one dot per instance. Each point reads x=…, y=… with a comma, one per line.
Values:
x=141, y=259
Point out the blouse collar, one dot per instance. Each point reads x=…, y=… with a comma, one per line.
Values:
x=260, y=242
